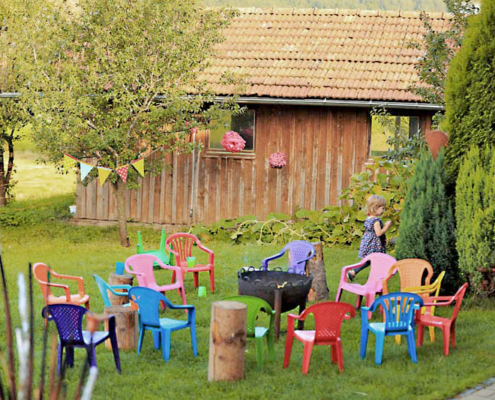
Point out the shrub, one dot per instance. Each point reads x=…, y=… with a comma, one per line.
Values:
x=475, y=217
x=427, y=221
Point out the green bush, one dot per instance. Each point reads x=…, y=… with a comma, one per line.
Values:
x=475, y=217
x=470, y=89
x=427, y=221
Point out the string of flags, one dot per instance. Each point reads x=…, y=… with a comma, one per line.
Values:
x=103, y=172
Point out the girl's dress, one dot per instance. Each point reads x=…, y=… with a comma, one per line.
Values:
x=370, y=243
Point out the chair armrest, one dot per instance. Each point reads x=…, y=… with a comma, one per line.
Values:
x=265, y=261
x=79, y=279
x=65, y=287
x=182, y=307
x=200, y=245
x=440, y=301
x=124, y=287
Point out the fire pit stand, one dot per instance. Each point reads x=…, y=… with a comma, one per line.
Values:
x=284, y=291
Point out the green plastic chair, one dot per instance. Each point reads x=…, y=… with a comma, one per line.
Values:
x=161, y=253
x=255, y=305
x=103, y=286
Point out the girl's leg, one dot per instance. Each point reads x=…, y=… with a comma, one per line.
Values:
x=353, y=272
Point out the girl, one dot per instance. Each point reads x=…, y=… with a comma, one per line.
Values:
x=374, y=240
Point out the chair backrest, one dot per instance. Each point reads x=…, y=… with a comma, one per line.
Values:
x=398, y=310
x=182, y=244
x=458, y=297
x=103, y=286
x=140, y=247
x=68, y=319
x=425, y=291
x=411, y=271
x=328, y=317
x=300, y=252
x=143, y=264
x=148, y=301
x=379, y=268
x=42, y=273
x=255, y=305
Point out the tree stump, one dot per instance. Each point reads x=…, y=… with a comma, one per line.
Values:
x=114, y=279
x=227, y=341
x=126, y=326
x=316, y=268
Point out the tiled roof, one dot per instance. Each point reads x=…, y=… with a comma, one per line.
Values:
x=314, y=53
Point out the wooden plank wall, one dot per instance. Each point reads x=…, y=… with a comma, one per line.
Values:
x=324, y=147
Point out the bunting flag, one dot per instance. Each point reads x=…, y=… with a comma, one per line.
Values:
x=85, y=169
x=103, y=174
x=139, y=166
x=122, y=171
x=69, y=162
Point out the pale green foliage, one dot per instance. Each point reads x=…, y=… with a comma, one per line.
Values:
x=475, y=213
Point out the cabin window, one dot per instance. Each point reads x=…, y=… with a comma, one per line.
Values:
x=243, y=124
x=392, y=126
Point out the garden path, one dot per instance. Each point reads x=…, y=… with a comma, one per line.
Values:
x=484, y=391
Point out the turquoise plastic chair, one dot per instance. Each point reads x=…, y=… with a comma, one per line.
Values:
x=104, y=287
x=161, y=253
x=398, y=310
x=148, y=301
x=255, y=305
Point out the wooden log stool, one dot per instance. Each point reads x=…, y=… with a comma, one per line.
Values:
x=316, y=268
x=114, y=279
x=126, y=326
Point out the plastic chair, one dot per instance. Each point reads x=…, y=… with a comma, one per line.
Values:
x=379, y=268
x=68, y=319
x=447, y=325
x=255, y=305
x=180, y=245
x=160, y=253
x=411, y=272
x=300, y=252
x=141, y=265
x=398, y=309
x=328, y=318
x=105, y=288
x=148, y=301
x=43, y=275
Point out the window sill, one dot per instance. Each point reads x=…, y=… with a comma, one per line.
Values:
x=225, y=154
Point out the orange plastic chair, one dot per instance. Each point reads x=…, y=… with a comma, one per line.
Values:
x=328, y=317
x=43, y=274
x=182, y=244
x=447, y=325
x=411, y=271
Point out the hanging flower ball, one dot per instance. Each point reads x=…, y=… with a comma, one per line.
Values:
x=233, y=142
x=277, y=160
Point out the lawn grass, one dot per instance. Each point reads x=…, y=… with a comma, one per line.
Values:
x=80, y=250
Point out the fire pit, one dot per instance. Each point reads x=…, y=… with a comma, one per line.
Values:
x=284, y=291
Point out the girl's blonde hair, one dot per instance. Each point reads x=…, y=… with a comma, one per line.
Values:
x=373, y=203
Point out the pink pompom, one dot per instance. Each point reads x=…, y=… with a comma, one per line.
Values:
x=277, y=160
x=233, y=142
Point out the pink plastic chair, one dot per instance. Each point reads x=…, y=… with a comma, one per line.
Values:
x=141, y=265
x=182, y=244
x=380, y=265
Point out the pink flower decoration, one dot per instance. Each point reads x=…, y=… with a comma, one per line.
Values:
x=233, y=142
x=194, y=130
x=277, y=160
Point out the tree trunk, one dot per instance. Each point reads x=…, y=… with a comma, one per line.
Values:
x=121, y=217
x=227, y=341
x=126, y=327
x=5, y=175
x=316, y=268
x=114, y=279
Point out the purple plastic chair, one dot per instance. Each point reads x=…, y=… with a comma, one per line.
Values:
x=300, y=252
x=68, y=318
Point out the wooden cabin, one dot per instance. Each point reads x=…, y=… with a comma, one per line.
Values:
x=314, y=77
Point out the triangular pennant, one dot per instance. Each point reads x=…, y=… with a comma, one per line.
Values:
x=139, y=166
x=85, y=169
x=69, y=162
x=122, y=171
x=103, y=174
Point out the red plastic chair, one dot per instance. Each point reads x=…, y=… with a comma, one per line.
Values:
x=447, y=325
x=141, y=265
x=328, y=317
x=43, y=275
x=182, y=244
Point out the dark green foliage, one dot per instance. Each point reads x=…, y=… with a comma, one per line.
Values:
x=470, y=90
x=475, y=217
x=427, y=221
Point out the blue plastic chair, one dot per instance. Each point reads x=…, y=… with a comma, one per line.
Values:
x=104, y=287
x=161, y=253
x=398, y=311
x=148, y=301
x=300, y=252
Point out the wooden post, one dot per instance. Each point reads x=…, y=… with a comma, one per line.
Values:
x=227, y=341
x=316, y=268
x=126, y=326
x=114, y=279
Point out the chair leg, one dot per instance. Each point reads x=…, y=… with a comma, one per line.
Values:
x=340, y=355
x=452, y=335
x=194, y=340
x=196, y=279
x=156, y=339
x=411, y=346
x=258, y=341
x=140, y=341
x=165, y=334
x=364, y=341
x=212, y=280
x=69, y=356
x=173, y=277
x=446, y=340
x=398, y=339
x=270, y=344
x=358, y=301
x=333, y=353
x=380, y=343
x=92, y=356
x=115, y=349
x=308, y=349
x=421, y=335
x=183, y=295
x=59, y=358
x=432, y=334
x=87, y=305
x=339, y=294
x=289, y=340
